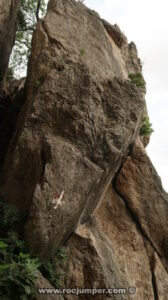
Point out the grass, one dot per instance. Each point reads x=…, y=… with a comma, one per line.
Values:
x=137, y=79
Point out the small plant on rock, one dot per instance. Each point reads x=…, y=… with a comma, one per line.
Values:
x=146, y=127
x=137, y=79
x=49, y=268
x=82, y=52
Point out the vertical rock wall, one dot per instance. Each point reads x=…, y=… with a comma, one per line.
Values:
x=80, y=118
x=124, y=243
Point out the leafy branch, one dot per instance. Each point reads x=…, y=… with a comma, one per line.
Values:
x=29, y=13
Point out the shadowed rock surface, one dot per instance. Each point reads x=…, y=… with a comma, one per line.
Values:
x=75, y=165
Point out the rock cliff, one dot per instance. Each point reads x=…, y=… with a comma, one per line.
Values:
x=76, y=165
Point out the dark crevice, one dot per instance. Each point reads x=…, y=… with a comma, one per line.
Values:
x=154, y=284
x=43, y=162
x=130, y=147
x=10, y=107
x=45, y=157
x=152, y=264
x=155, y=291
x=145, y=237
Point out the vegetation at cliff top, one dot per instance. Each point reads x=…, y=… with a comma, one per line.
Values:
x=27, y=19
x=137, y=79
x=17, y=267
x=146, y=127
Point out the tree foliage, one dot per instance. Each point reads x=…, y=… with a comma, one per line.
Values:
x=27, y=19
x=17, y=267
x=146, y=127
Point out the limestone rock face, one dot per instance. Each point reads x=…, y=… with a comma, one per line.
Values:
x=80, y=118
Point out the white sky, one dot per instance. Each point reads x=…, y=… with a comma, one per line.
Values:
x=146, y=23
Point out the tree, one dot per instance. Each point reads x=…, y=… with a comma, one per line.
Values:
x=8, y=18
x=29, y=12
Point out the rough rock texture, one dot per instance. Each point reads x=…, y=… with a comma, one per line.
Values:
x=124, y=243
x=8, y=18
x=74, y=162
x=140, y=185
x=42, y=282
x=109, y=252
x=161, y=278
x=80, y=118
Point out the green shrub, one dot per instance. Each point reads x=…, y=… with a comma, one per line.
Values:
x=146, y=127
x=17, y=274
x=17, y=268
x=137, y=79
x=10, y=218
x=49, y=268
x=61, y=254
x=48, y=271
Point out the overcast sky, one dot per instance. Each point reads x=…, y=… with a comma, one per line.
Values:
x=146, y=23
